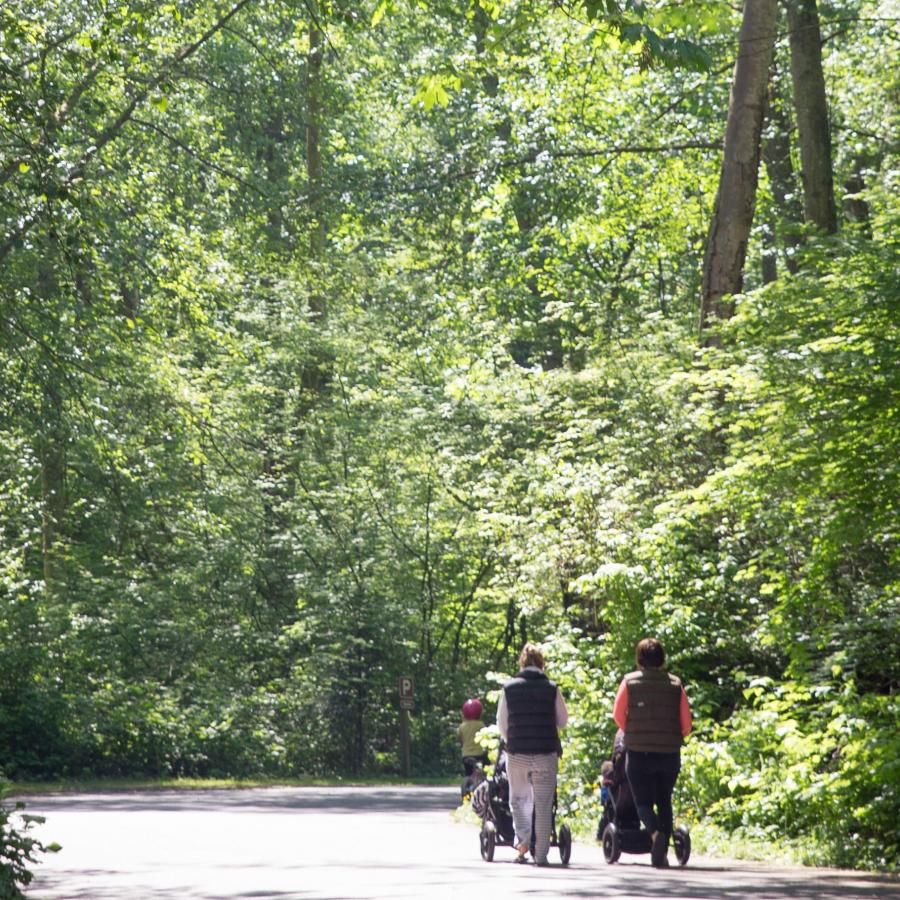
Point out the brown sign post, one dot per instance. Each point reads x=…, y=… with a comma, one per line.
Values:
x=407, y=702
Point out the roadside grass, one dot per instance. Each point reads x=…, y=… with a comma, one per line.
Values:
x=102, y=785
x=711, y=840
x=707, y=839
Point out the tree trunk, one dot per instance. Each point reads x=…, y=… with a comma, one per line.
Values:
x=314, y=375
x=313, y=157
x=53, y=497
x=776, y=151
x=276, y=173
x=52, y=454
x=729, y=233
x=769, y=253
x=812, y=115
x=856, y=209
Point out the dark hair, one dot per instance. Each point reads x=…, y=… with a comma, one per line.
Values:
x=650, y=654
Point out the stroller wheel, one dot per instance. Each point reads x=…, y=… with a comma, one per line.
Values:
x=565, y=844
x=681, y=841
x=612, y=844
x=488, y=840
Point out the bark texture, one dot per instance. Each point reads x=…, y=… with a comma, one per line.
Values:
x=812, y=115
x=729, y=233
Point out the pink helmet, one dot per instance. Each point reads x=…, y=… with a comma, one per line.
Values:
x=471, y=709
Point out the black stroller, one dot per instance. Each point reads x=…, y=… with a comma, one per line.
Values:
x=620, y=828
x=490, y=800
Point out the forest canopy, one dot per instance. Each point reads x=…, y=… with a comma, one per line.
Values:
x=342, y=341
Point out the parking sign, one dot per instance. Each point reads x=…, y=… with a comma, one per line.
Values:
x=407, y=692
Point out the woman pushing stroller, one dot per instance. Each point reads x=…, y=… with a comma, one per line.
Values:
x=652, y=710
x=530, y=712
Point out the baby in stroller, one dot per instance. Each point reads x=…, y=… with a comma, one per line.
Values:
x=620, y=828
x=490, y=800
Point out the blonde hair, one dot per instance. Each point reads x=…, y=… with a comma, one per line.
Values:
x=531, y=655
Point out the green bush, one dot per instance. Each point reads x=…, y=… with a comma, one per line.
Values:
x=813, y=768
x=18, y=850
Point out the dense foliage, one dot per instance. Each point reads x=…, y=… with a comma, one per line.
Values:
x=344, y=341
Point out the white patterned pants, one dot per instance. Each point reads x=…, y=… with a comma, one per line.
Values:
x=532, y=786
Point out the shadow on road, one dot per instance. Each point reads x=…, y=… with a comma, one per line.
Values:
x=626, y=882
x=722, y=882
x=179, y=893
x=632, y=882
x=334, y=799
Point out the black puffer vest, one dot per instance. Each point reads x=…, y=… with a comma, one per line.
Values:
x=654, y=705
x=531, y=704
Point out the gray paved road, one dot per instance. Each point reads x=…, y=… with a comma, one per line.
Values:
x=355, y=843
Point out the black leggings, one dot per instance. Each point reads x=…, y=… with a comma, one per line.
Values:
x=652, y=777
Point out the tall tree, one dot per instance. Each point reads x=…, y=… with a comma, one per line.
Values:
x=313, y=139
x=788, y=212
x=811, y=105
x=729, y=233
x=52, y=441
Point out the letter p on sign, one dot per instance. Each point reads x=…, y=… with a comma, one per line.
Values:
x=406, y=692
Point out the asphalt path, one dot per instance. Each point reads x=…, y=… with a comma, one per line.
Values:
x=350, y=842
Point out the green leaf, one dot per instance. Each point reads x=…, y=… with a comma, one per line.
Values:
x=378, y=13
x=432, y=91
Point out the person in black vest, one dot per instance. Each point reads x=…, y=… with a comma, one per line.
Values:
x=652, y=710
x=529, y=714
